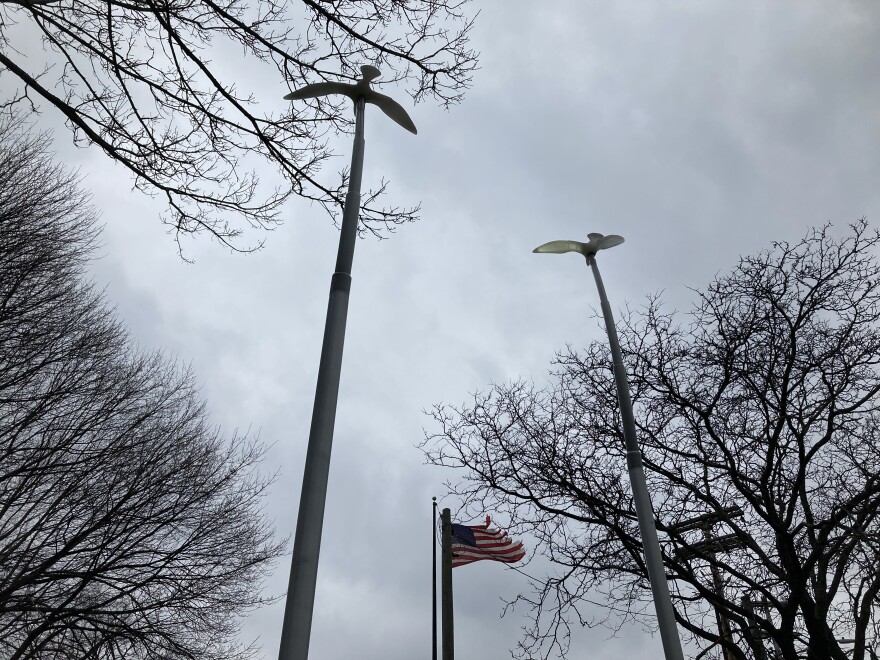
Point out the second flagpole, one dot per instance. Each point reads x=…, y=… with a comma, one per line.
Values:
x=434, y=582
x=446, y=585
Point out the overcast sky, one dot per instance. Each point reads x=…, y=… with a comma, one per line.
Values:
x=700, y=131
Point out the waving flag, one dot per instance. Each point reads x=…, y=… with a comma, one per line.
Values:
x=472, y=543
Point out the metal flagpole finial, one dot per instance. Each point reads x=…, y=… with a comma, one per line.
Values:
x=360, y=90
x=597, y=242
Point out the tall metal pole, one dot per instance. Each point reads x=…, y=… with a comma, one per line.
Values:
x=446, y=586
x=644, y=510
x=434, y=583
x=297, y=625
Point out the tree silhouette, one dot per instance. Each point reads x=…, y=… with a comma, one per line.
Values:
x=129, y=527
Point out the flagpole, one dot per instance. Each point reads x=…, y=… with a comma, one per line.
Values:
x=434, y=583
x=446, y=584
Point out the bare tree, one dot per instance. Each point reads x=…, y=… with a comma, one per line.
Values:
x=129, y=527
x=765, y=399
x=153, y=83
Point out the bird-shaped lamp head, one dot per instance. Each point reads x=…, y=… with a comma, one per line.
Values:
x=360, y=90
x=597, y=242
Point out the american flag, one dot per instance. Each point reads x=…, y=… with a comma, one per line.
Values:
x=472, y=543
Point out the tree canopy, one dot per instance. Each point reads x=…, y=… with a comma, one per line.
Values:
x=759, y=420
x=129, y=526
x=156, y=85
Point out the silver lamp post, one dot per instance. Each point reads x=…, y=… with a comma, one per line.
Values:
x=644, y=511
x=297, y=625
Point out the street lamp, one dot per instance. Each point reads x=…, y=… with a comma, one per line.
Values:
x=297, y=625
x=644, y=511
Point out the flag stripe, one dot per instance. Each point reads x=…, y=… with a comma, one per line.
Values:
x=493, y=548
x=467, y=558
x=479, y=552
x=510, y=555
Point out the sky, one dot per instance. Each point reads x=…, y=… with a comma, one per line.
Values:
x=698, y=130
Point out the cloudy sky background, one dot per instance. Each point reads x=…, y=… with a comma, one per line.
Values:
x=698, y=130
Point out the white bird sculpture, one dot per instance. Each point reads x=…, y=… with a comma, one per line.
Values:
x=597, y=242
x=361, y=89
